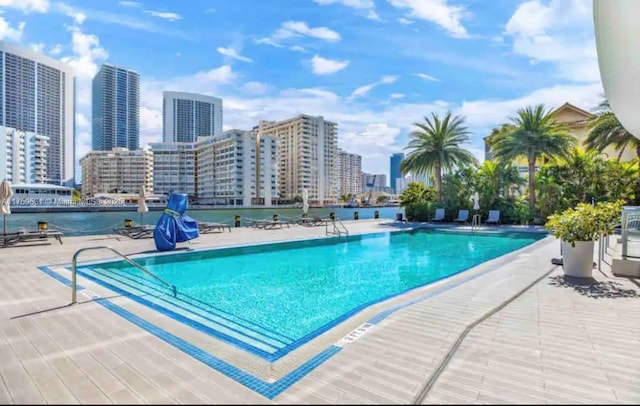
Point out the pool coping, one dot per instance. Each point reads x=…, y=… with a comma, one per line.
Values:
x=272, y=389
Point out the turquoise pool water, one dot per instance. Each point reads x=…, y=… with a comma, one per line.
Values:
x=286, y=292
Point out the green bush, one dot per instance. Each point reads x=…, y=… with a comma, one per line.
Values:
x=419, y=211
x=585, y=222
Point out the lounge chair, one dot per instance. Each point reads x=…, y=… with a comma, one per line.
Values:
x=29, y=236
x=269, y=224
x=439, y=215
x=136, y=232
x=463, y=217
x=494, y=217
x=208, y=226
x=312, y=221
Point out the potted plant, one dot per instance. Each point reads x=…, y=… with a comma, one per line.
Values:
x=578, y=228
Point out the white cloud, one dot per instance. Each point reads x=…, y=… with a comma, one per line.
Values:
x=298, y=48
x=255, y=88
x=10, y=33
x=232, y=53
x=39, y=47
x=363, y=90
x=324, y=66
x=367, y=6
x=221, y=75
x=404, y=21
x=41, y=6
x=561, y=33
x=166, y=15
x=133, y=4
x=397, y=95
x=56, y=50
x=210, y=10
x=437, y=11
x=292, y=29
x=427, y=77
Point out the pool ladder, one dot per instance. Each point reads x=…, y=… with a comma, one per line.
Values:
x=338, y=228
x=74, y=272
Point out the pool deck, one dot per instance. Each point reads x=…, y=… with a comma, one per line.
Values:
x=559, y=341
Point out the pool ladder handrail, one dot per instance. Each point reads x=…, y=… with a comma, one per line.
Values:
x=336, y=229
x=74, y=273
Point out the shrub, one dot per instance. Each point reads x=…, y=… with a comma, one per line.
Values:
x=585, y=222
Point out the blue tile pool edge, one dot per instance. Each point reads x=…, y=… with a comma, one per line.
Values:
x=267, y=389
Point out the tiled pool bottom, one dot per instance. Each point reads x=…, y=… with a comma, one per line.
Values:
x=271, y=299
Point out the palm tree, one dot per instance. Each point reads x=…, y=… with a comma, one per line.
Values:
x=435, y=146
x=606, y=130
x=533, y=134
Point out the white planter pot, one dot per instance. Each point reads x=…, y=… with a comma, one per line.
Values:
x=578, y=261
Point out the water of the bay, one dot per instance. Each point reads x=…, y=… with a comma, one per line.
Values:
x=92, y=223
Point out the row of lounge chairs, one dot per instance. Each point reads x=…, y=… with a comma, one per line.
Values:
x=10, y=239
x=463, y=216
x=146, y=230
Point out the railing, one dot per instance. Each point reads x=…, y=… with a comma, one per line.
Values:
x=74, y=273
x=338, y=228
x=630, y=226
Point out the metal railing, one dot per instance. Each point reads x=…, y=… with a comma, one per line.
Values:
x=630, y=232
x=74, y=273
x=338, y=228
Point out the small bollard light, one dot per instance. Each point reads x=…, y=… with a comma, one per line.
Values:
x=376, y=214
x=275, y=217
x=356, y=215
x=42, y=226
x=237, y=220
x=128, y=223
x=332, y=216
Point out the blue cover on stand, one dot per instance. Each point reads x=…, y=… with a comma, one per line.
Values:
x=174, y=226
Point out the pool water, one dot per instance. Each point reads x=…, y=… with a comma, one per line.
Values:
x=294, y=290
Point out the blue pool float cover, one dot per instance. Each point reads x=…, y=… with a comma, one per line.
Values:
x=174, y=226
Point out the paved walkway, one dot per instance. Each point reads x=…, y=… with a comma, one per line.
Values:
x=560, y=342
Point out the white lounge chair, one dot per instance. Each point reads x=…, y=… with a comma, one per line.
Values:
x=463, y=216
x=439, y=215
x=494, y=217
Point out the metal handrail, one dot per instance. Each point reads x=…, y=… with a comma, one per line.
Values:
x=336, y=230
x=74, y=273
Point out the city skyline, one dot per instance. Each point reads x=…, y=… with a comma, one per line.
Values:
x=267, y=67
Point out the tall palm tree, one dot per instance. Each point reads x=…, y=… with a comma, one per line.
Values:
x=533, y=133
x=606, y=130
x=435, y=146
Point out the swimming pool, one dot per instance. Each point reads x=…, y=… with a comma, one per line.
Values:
x=270, y=299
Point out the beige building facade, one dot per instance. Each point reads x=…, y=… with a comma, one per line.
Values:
x=118, y=171
x=349, y=174
x=307, y=157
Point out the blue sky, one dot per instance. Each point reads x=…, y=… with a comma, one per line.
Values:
x=373, y=66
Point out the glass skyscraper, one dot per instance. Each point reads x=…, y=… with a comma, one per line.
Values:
x=37, y=98
x=187, y=116
x=116, y=109
x=394, y=169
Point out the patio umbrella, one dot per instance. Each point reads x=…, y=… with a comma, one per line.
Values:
x=305, y=201
x=5, y=208
x=142, y=203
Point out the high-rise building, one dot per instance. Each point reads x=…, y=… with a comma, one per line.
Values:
x=349, y=172
x=226, y=169
x=394, y=170
x=37, y=98
x=24, y=156
x=174, y=167
x=187, y=116
x=307, y=156
x=116, y=109
x=116, y=171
